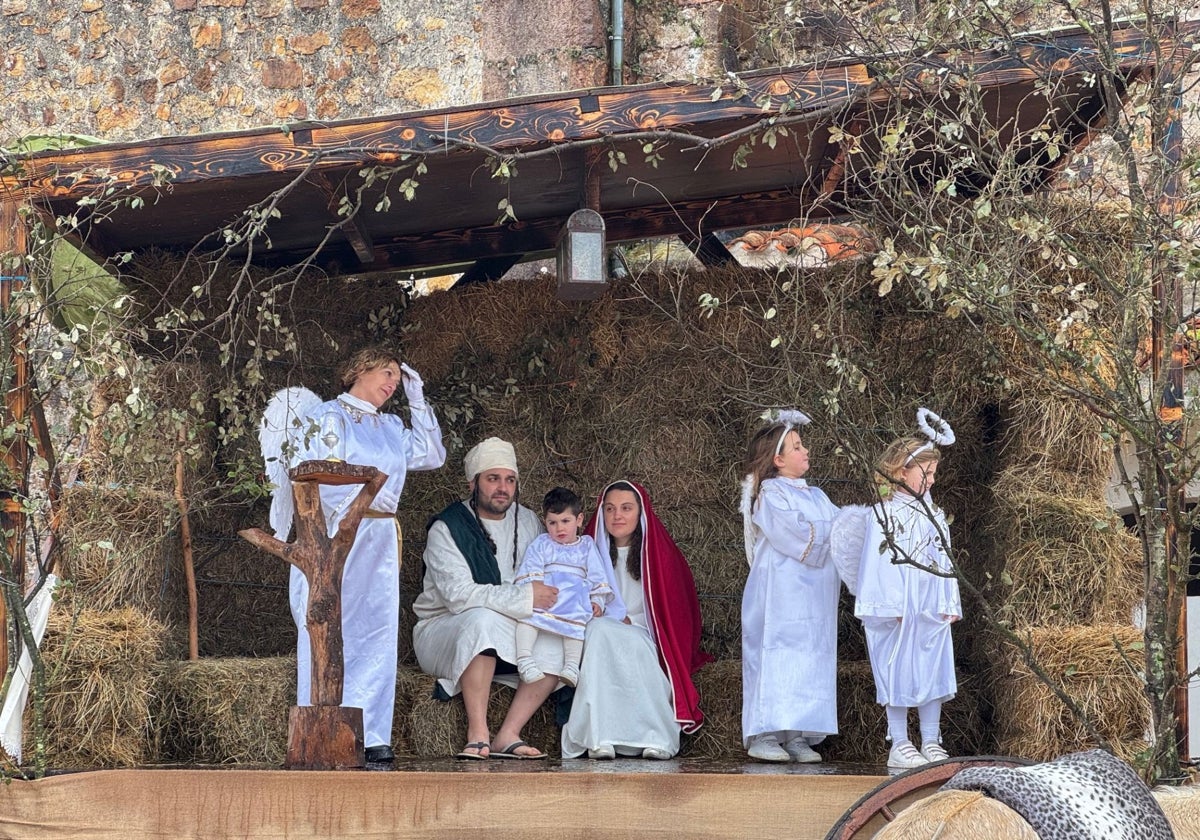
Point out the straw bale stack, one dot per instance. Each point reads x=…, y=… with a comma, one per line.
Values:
x=1056, y=446
x=100, y=685
x=226, y=711
x=1098, y=666
x=120, y=548
x=242, y=595
x=1070, y=559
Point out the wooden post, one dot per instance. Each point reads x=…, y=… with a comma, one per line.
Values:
x=15, y=456
x=189, y=569
x=325, y=735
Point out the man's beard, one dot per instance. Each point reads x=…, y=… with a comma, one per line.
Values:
x=485, y=504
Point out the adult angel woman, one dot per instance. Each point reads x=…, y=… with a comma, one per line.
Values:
x=297, y=427
x=635, y=693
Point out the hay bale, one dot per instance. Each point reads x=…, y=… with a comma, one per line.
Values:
x=1087, y=661
x=242, y=596
x=226, y=711
x=957, y=815
x=720, y=687
x=436, y=728
x=1070, y=559
x=100, y=686
x=120, y=549
x=1055, y=438
x=1182, y=807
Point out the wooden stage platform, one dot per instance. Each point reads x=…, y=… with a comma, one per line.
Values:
x=441, y=798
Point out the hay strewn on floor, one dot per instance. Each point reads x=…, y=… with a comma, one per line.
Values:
x=100, y=688
x=1033, y=722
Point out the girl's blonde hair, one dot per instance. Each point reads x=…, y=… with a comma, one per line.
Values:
x=366, y=359
x=760, y=455
x=897, y=456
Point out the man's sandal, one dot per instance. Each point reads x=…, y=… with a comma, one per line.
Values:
x=478, y=755
x=511, y=752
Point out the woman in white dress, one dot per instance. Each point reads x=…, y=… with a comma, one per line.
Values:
x=351, y=428
x=635, y=691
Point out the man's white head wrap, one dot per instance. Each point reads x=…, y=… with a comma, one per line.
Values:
x=490, y=454
x=933, y=427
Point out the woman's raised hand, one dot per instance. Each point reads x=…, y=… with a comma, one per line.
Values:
x=414, y=388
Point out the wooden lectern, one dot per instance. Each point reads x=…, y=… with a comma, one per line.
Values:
x=325, y=735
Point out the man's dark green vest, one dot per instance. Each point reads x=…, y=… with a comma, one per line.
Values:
x=472, y=541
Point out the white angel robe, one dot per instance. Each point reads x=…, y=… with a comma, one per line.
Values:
x=354, y=431
x=623, y=698
x=577, y=571
x=789, y=615
x=458, y=619
x=903, y=608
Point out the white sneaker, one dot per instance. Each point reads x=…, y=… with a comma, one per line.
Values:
x=603, y=752
x=904, y=756
x=766, y=748
x=656, y=754
x=570, y=674
x=800, y=751
x=933, y=752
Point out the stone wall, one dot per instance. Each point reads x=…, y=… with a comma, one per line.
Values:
x=134, y=69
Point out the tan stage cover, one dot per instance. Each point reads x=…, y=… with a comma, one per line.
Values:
x=510, y=801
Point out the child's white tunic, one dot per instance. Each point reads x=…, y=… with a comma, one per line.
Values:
x=352, y=430
x=789, y=614
x=903, y=608
x=576, y=571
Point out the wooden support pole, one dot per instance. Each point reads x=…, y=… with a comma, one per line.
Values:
x=17, y=399
x=189, y=569
x=323, y=736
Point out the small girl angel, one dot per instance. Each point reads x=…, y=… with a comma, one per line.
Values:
x=789, y=605
x=908, y=594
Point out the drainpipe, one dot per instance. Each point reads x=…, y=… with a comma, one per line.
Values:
x=617, y=54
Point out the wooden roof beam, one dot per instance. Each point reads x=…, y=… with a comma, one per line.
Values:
x=356, y=234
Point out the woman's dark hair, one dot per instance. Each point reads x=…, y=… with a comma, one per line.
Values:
x=633, y=563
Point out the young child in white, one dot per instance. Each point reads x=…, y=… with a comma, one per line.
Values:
x=789, y=605
x=908, y=595
x=563, y=559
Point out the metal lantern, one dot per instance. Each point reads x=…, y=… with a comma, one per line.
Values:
x=582, y=273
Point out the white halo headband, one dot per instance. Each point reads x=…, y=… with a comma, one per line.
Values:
x=933, y=427
x=791, y=418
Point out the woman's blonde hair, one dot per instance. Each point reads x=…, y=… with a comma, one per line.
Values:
x=368, y=358
x=898, y=455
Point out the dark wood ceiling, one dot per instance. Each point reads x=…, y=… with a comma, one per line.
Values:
x=193, y=188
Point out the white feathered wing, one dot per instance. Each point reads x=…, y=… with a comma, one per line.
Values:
x=280, y=436
x=846, y=538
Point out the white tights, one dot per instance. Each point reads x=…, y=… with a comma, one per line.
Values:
x=930, y=716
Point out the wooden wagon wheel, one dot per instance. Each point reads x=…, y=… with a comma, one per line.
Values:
x=881, y=805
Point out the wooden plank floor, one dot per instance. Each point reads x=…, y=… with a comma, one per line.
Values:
x=506, y=800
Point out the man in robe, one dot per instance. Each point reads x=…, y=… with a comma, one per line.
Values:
x=468, y=609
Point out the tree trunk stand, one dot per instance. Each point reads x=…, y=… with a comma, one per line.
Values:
x=325, y=735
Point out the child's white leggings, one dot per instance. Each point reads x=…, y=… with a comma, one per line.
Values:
x=930, y=716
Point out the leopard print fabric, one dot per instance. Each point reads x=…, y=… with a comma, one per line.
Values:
x=1082, y=796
